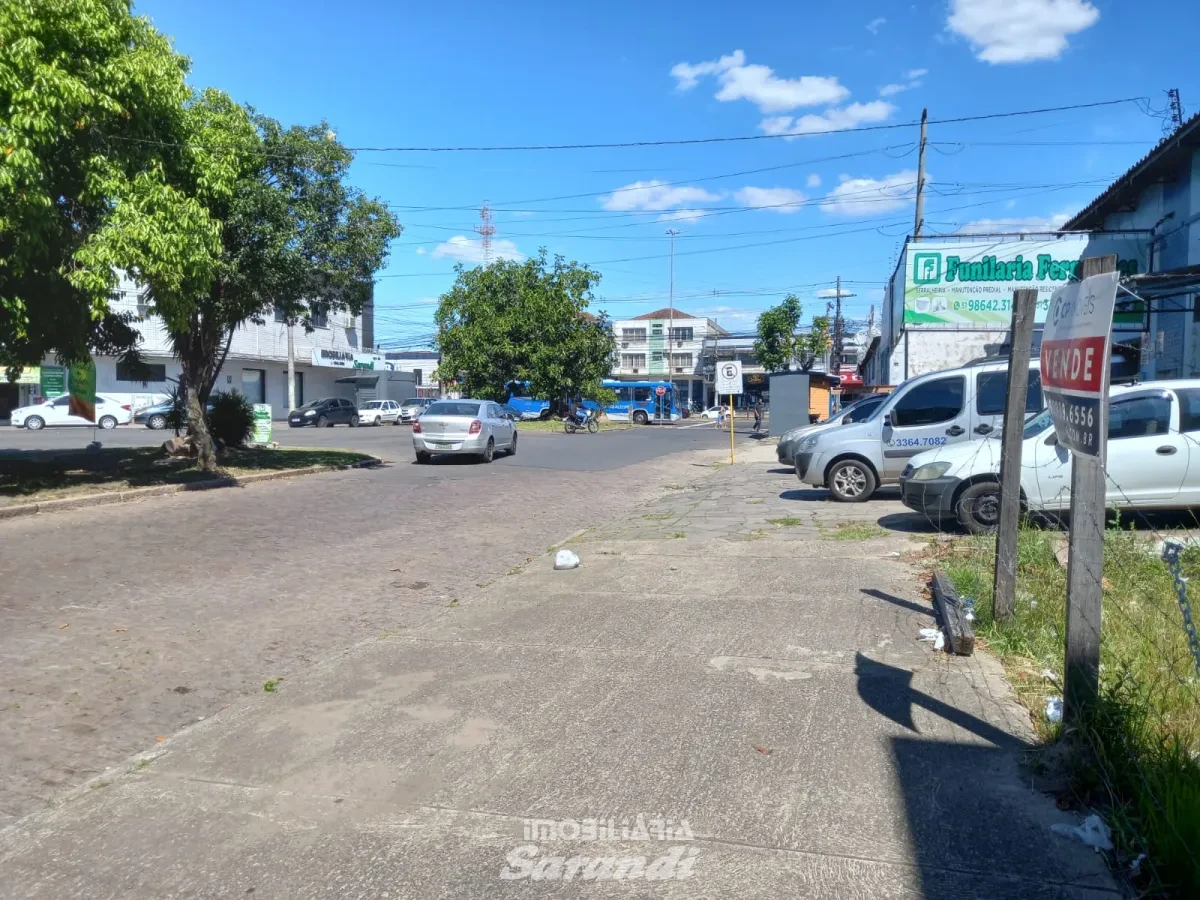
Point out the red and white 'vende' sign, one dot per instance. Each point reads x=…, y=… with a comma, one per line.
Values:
x=1074, y=361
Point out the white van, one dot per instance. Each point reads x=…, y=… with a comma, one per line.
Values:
x=925, y=412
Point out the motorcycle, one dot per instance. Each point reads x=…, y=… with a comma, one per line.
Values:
x=588, y=423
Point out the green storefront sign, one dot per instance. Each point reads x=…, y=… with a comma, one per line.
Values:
x=53, y=381
x=965, y=283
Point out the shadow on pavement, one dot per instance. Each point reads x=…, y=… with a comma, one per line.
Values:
x=781, y=470
x=915, y=523
x=900, y=601
x=805, y=494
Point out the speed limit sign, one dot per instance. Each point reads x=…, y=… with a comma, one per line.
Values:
x=729, y=377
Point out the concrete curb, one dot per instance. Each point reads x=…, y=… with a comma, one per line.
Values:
x=110, y=497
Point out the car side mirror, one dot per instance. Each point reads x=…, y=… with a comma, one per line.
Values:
x=887, y=420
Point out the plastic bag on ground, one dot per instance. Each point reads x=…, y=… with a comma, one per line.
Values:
x=566, y=559
x=1054, y=709
x=940, y=641
x=930, y=634
x=1093, y=832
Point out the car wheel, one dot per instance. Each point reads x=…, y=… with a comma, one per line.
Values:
x=489, y=452
x=322, y=422
x=851, y=481
x=423, y=457
x=640, y=417
x=157, y=421
x=107, y=423
x=354, y=420
x=378, y=421
x=35, y=423
x=512, y=448
x=978, y=507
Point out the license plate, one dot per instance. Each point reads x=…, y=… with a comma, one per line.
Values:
x=443, y=446
x=295, y=420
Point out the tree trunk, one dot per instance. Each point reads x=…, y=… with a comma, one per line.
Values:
x=197, y=350
x=206, y=454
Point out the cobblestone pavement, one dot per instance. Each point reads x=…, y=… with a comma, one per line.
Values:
x=122, y=624
x=732, y=654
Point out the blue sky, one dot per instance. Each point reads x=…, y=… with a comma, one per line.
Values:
x=388, y=74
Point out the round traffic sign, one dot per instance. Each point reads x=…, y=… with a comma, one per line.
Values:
x=729, y=370
x=660, y=390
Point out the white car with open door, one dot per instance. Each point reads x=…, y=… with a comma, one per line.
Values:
x=463, y=428
x=1153, y=462
x=109, y=414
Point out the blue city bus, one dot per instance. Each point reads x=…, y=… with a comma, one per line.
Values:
x=530, y=407
x=638, y=401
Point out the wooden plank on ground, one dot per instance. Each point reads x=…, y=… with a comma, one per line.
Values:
x=953, y=615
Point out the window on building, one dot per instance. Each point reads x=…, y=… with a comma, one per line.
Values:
x=633, y=360
x=930, y=403
x=656, y=356
x=656, y=329
x=416, y=374
x=633, y=334
x=1139, y=417
x=991, y=391
x=682, y=334
x=681, y=360
x=280, y=315
x=149, y=372
x=320, y=317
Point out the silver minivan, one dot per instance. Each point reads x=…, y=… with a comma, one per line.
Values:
x=928, y=411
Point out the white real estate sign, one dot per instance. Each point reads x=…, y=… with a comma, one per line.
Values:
x=729, y=377
x=1074, y=361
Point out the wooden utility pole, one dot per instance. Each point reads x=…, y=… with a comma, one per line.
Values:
x=920, y=216
x=1085, y=566
x=1004, y=587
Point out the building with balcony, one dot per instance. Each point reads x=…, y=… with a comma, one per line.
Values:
x=666, y=345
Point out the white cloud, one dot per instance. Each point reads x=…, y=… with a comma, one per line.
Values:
x=726, y=314
x=833, y=119
x=1015, y=31
x=916, y=73
x=868, y=196
x=420, y=251
x=889, y=90
x=683, y=215
x=759, y=84
x=913, y=77
x=781, y=199
x=465, y=249
x=814, y=180
x=875, y=24
x=655, y=195
x=832, y=294
x=1027, y=225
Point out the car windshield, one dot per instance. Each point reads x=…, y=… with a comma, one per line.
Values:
x=1036, y=425
x=866, y=415
x=311, y=404
x=453, y=409
x=411, y=401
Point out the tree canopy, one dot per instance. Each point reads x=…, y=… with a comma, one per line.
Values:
x=88, y=92
x=524, y=321
x=780, y=342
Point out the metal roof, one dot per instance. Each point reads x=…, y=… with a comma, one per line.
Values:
x=1164, y=154
x=665, y=313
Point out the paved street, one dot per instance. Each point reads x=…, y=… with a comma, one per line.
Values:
x=725, y=658
x=552, y=450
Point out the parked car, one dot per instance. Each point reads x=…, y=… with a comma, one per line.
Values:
x=858, y=411
x=324, y=413
x=379, y=412
x=109, y=414
x=463, y=427
x=938, y=409
x=157, y=417
x=1153, y=433
x=413, y=407
x=713, y=412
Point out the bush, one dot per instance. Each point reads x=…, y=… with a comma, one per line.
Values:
x=231, y=418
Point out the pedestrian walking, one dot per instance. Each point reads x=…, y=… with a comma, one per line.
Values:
x=720, y=416
x=758, y=415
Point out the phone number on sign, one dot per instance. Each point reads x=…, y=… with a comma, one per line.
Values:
x=917, y=442
x=996, y=304
x=1078, y=421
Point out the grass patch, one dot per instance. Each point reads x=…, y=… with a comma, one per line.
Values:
x=272, y=685
x=755, y=502
x=1136, y=753
x=678, y=535
x=659, y=517
x=786, y=522
x=758, y=534
x=855, y=531
x=34, y=475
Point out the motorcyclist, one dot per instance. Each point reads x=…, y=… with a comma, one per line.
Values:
x=577, y=412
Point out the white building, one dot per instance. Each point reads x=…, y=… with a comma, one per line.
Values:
x=666, y=346
x=421, y=364
x=256, y=365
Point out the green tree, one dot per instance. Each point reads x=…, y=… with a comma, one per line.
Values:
x=524, y=321
x=777, y=342
x=248, y=216
x=812, y=346
x=88, y=94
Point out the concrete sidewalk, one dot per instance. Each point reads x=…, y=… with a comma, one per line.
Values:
x=750, y=691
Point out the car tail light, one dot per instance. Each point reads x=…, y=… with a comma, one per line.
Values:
x=475, y=428
x=416, y=426
x=126, y=407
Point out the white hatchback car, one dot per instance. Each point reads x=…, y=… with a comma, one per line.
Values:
x=1153, y=461
x=463, y=428
x=379, y=412
x=109, y=414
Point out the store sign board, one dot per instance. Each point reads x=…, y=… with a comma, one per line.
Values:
x=346, y=359
x=971, y=283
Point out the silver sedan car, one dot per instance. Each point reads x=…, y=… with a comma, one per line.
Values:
x=463, y=428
